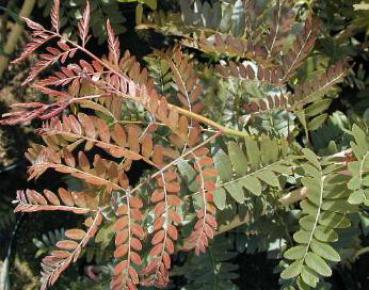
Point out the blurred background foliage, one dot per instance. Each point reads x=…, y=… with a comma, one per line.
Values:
x=244, y=258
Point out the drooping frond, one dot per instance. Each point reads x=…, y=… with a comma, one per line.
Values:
x=359, y=168
x=323, y=212
x=206, y=223
x=214, y=269
x=165, y=234
x=128, y=243
x=76, y=202
x=68, y=251
x=301, y=47
x=84, y=24
x=55, y=16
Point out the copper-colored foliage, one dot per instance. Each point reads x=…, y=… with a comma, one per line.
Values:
x=128, y=142
x=232, y=46
x=55, y=16
x=303, y=44
x=84, y=24
x=206, y=225
x=114, y=45
x=166, y=200
x=100, y=172
x=103, y=86
x=68, y=251
x=269, y=103
x=128, y=243
x=188, y=83
x=76, y=202
x=241, y=71
x=320, y=84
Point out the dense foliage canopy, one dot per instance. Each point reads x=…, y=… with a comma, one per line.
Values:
x=171, y=139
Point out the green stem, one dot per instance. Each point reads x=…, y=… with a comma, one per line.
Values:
x=204, y=120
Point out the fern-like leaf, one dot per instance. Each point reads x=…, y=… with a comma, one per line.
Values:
x=84, y=24
x=68, y=251
x=324, y=211
x=165, y=232
x=64, y=200
x=252, y=170
x=129, y=234
x=55, y=16
x=206, y=224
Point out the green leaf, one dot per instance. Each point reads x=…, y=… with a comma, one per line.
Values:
x=268, y=177
x=324, y=250
x=220, y=198
x=318, y=264
x=189, y=174
x=236, y=191
x=325, y=234
x=360, y=137
x=311, y=157
x=238, y=158
x=308, y=207
x=317, y=122
x=295, y=253
x=338, y=205
x=317, y=107
x=139, y=14
x=269, y=150
x=223, y=165
x=307, y=222
x=334, y=220
x=312, y=171
x=252, y=184
x=357, y=197
x=292, y=270
x=361, y=6
x=302, y=236
x=309, y=277
x=253, y=152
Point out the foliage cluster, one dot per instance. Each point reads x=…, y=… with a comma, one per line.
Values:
x=232, y=123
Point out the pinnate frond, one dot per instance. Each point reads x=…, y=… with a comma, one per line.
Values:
x=206, y=224
x=68, y=251
x=55, y=16
x=253, y=168
x=128, y=243
x=303, y=44
x=359, y=168
x=311, y=90
x=270, y=103
x=166, y=200
x=230, y=46
x=188, y=83
x=62, y=53
x=114, y=45
x=84, y=24
x=26, y=112
x=215, y=268
x=129, y=141
x=76, y=202
x=323, y=212
x=100, y=172
x=246, y=72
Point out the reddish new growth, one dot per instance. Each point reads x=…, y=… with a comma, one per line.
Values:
x=68, y=135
